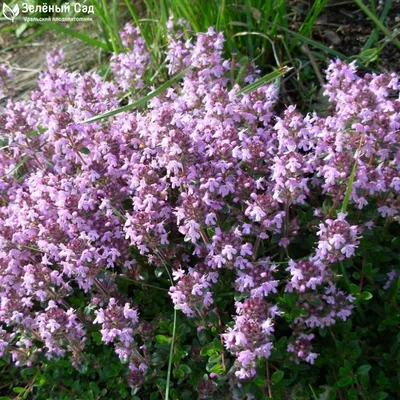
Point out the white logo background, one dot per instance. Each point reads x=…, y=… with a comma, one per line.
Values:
x=10, y=13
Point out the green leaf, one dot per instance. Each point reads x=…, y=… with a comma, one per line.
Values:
x=260, y=381
x=183, y=329
x=156, y=358
x=214, y=358
x=28, y=372
x=322, y=332
x=277, y=376
x=355, y=353
x=185, y=368
x=366, y=296
x=18, y=390
x=202, y=336
x=210, y=352
x=154, y=396
x=218, y=369
x=88, y=309
x=144, y=100
x=353, y=392
x=381, y=396
x=354, y=289
x=162, y=339
x=96, y=337
x=346, y=381
x=84, y=150
x=369, y=55
x=217, y=345
x=265, y=79
x=178, y=373
x=364, y=369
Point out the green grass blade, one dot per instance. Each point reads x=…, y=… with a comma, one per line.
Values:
x=171, y=350
x=282, y=13
x=351, y=180
x=280, y=18
x=98, y=11
x=349, y=187
x=102, y=23
x=141, y=101
x=153, y=7
x=313, y=393
x=143, y=32
x=171, y=354
x=109, y=26
x=66, y=31
x=383, y=16
x=315, y=44
x=135, y=282
x=23, y=42
x=265, y=79
x=345, y=275
x=118, y=39
x=311, y=17
x=185, y=10
x=377, y=22
x=16, y=168
x=118, y=213
x=220, y=25
x=78, y=35
x=249, y=19
x=271, y=42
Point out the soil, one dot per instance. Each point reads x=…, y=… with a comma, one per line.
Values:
x=342, y=26
x=29, y=60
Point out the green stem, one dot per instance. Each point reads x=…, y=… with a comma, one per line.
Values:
x=141, y=283
x=377, y=22
x=109, y=26
x=171, y=354
x=171, y=350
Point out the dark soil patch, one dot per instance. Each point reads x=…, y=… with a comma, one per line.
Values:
x=28, y=60
x=343, y=26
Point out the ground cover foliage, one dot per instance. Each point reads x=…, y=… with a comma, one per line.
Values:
x=205, y=240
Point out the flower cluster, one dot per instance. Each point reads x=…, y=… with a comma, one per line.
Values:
x=192, y=293
x=129, y=68
x=338, y=240
x=205, y=389
x=206, y=179
x=57, y=326
x=391, y=276
x=249, y=339
x=118, y=325
x=301, y=348
x=258, y=279
x=306, y=274
x=323, y=309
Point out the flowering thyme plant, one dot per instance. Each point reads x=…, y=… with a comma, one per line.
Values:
x=247, y=220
